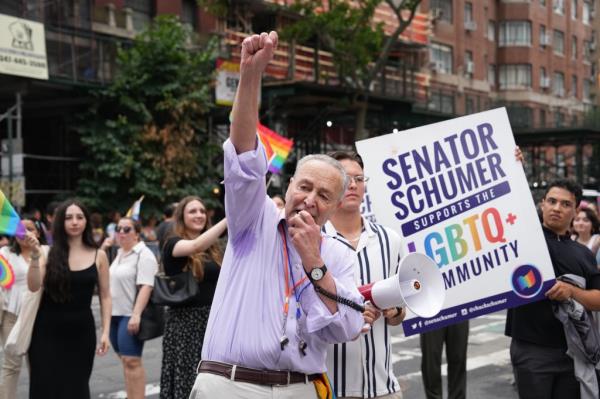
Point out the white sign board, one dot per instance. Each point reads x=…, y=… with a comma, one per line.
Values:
x=22, y=48
x=455, y=192
x=228, y=78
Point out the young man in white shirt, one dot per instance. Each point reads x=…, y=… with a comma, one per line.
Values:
x=363, y=368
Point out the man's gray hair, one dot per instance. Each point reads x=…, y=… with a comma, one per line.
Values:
x=330, y=161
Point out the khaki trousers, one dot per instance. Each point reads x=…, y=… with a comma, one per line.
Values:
x=11, y=366
x=210, y=386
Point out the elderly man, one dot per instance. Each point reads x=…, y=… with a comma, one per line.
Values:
x=272, y=317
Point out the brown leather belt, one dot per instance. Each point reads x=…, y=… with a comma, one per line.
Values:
x=254, y=376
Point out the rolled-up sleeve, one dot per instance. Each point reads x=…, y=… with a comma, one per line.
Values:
x=147, y=268
x=345, y=324
x=245, y=186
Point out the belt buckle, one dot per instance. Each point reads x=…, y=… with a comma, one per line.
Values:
x=288, y=381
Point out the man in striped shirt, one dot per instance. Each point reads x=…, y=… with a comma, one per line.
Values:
x=363, y=368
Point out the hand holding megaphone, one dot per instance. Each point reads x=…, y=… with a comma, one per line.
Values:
x=419, y=286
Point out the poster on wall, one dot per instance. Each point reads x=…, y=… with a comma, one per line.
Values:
x=22, y=48
x=454, y=191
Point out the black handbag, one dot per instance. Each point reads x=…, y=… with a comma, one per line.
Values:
x=178, y=289
x=152, y=319
x=152, y=322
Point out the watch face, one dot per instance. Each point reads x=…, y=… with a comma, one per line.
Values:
x=316, y=273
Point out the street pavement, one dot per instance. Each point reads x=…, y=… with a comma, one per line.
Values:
x=489, y=374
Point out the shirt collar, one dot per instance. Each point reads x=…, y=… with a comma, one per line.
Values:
x=330, y=230
x=137, y=248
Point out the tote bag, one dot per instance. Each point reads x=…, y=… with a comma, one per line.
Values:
x=19, y=338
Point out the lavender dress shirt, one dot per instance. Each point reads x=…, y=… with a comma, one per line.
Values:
x=246, y=319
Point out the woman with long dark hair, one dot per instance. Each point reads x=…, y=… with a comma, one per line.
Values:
x=63, y=342
x=20, y=254
x=192, y=245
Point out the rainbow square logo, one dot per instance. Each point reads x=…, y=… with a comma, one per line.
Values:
x=526, y=281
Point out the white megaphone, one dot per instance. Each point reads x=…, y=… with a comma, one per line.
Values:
x=419, y=286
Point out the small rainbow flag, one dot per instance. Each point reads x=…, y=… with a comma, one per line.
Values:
x=10, y=222
x=7, y=275
x=134, y=211
x=527, y=281
x=278, y=147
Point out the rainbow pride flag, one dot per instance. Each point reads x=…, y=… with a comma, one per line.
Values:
x=7, y=274
x=10, y=222
x=134, y=211
x=278, y=147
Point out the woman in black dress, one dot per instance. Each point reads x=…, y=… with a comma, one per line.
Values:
x=192, y=244
x=63, y=342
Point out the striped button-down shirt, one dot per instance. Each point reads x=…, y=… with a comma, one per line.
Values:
x=363, y=368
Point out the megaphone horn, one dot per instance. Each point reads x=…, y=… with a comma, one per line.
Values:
x=419, y=286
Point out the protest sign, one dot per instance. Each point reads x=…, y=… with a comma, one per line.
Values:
x=455, y=192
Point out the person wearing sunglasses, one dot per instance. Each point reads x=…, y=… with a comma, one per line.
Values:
x=133, y=268
x=19, y=254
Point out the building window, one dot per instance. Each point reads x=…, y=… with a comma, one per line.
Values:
x=574, y=48
x=587, y=90
x=559, y=6
x=520, y=116
x=442, y=9
x=542, y=118
x=544, y=78
x=544, y=38
x=559, y=42
x=468, y=11
x=491, y=31
x=558, y=84
x=558, y=119
x=586, y=50
x=573, y=91
x=516, y=76
x=189, y=13
x=573, y=9
x=587, y=12
x=441, y=56
x=441, y=102
x=543, y=3
x=469, y=105
x=515, y=33
x=469, y=64
x=491, y=74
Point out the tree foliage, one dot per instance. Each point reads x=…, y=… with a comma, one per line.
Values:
x=359, y=46
x=146, y=132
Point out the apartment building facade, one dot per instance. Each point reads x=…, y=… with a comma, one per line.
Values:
x=537, y=58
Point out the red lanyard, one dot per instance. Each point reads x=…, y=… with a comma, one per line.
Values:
x=289, y=288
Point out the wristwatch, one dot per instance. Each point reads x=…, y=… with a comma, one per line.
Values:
x=317, y=273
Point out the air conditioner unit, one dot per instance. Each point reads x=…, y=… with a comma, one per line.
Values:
x=436, y=66
x=545, y=82
x=593, y=45
x=545, y=40
x=436, y=14
x=470, y=67
x=471, y=25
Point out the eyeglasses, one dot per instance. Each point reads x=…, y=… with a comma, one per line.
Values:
x=359, y=179
x=124, y=229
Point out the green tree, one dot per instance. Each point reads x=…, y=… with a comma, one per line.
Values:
x=146, y=132
x=359, y=46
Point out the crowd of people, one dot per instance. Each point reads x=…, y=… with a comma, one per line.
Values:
x=273, y=309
